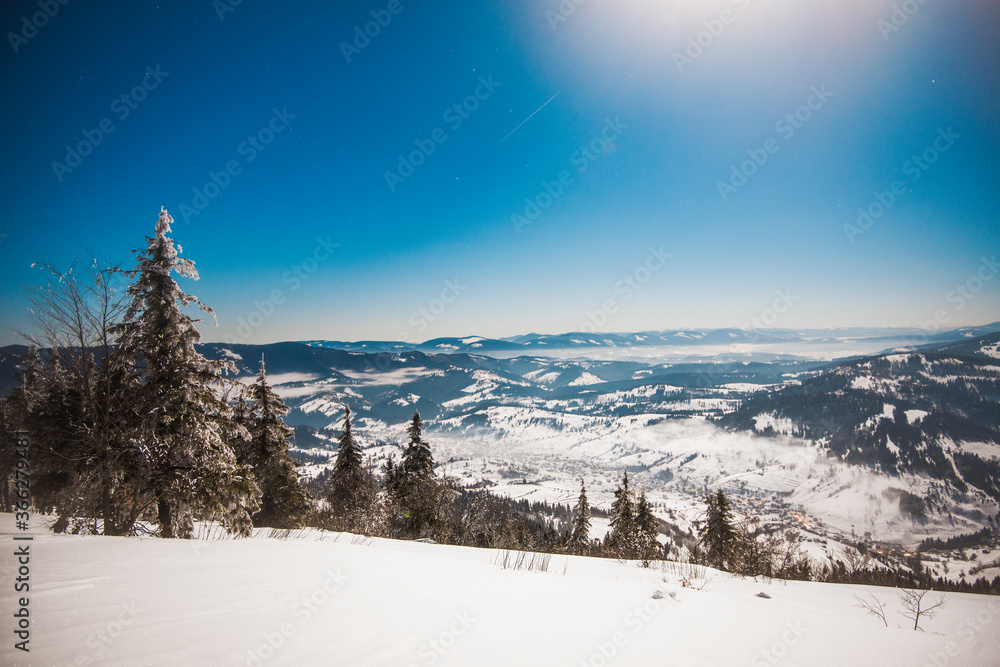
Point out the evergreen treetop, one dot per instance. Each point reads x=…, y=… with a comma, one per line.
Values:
x=284, y=503
x=622, y=535
x=580, y=535
x=413, y=484
x=348, y=461
x=718, y=533
x=647, y=546
x=349, y=483
x=270, y=434
x=418, y=462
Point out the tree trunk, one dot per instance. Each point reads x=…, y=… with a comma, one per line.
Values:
x=107, y=510
x=165, y=517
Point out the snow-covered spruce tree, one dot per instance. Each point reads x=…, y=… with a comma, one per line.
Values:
x=579, y=539
x=238, y=432
x=191, y=470
x=55, y=415
x=349, y=484
x=418, y=463
x=391, y=480
x=621, y=540
x=647, y=547
x=284, y=503
x=417, y=493
x=718, y=534
x=118, y=457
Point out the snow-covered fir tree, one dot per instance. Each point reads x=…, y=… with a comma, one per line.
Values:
x=416, y=491
x=579, y=539
x=238, y=433
x=718, y=533
x=284, y=503
x=54, y=414
x=349, y=480
x=418, y=462
x=119, y=460
x=621, y=540
x=647, y=547
x=190, y=469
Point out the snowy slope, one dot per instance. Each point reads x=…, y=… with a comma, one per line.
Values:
x=324, y=599
x=933, y=414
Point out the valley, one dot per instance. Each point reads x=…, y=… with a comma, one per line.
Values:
x=532, y=427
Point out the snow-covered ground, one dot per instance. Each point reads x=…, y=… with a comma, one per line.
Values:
x=330, y=599
x=675, y=460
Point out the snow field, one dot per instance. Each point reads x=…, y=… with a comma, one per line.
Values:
x=335, y=599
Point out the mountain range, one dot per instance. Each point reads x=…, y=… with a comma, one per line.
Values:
x=904, y=442
x=884, y=337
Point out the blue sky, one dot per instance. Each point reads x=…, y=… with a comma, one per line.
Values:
x=651, y=106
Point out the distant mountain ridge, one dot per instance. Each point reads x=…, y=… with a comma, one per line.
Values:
x=475, y=351
x=535, y=342
x=317, y=382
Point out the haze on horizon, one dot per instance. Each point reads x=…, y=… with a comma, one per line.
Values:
x=496, y=169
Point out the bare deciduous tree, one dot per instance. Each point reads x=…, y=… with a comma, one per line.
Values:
x=74, y=315
x=857, y=561
x=914, y=605
x=874, y=606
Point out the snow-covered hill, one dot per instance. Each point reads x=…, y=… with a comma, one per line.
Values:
x=934, y=413
x=334, y=599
